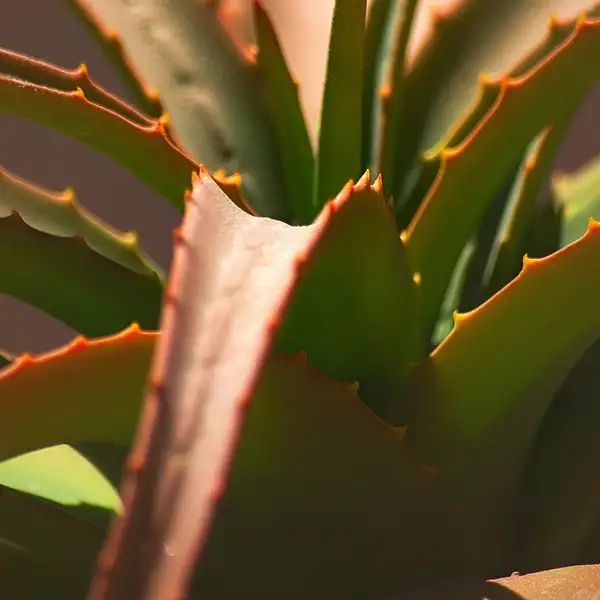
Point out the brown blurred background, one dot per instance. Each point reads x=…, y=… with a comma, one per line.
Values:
x=48, y=29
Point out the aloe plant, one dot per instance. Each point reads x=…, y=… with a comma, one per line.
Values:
x=372, y=369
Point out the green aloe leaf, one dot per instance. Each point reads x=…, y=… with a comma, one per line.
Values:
x=284, y=103
x=579, y=195
x=339, y=154
x=473, y=290
x=304, y=435
x=377, y=48
x=505, y=259
x=13, y=64
x=210, y=90
x=144, y=95
x=143, y=149
x=468, y=38
x=478, y=435
x=394, y=95
x=57, y=242
x=368, y=329
x=87, y=391
x=524, y=107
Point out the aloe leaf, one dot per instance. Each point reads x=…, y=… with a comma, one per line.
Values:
x=557, y=519
x=210, y=90
x=145, y=96
x=142, y=149
x=239, y=300
x=454, y=292
x=290, y=126
x=473, y=290
x=509, y=247
x=524, y=107
x=478, y=435
x=42, y=543
x=468, y=38
x=20, y=66
x=368, y=329
x=457, y=133
x=579, y=583
x=376, y=51
x=56, y=243
x=395, y=93
x=579, y=195
x=87, y=391
x=339, y=153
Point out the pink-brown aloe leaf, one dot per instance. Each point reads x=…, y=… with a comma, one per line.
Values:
x=233, y=276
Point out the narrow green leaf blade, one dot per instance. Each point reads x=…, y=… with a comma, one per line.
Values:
x=339, y=154
x=209, y=88
x=523, y=108
x=505, y=258
x=143, y=149
x=47, y=242
x=394, y=97
x=288, y=118
x=376, y=54
x=478, y=435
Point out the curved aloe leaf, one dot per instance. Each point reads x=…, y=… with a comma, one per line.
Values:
x=202, y=389
x=509, y=247
x=579, y=195
x=210, y=90
x=478, y=435
x=13, y=64
x=288, y=118
x=142, y=149
x=377, y=48
x=44, y=552
x=517, y=117
x=87, y=391
x=339, y=153
x=47, y=241
x=145, y=96
x=395, y=92
x=468, y=38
